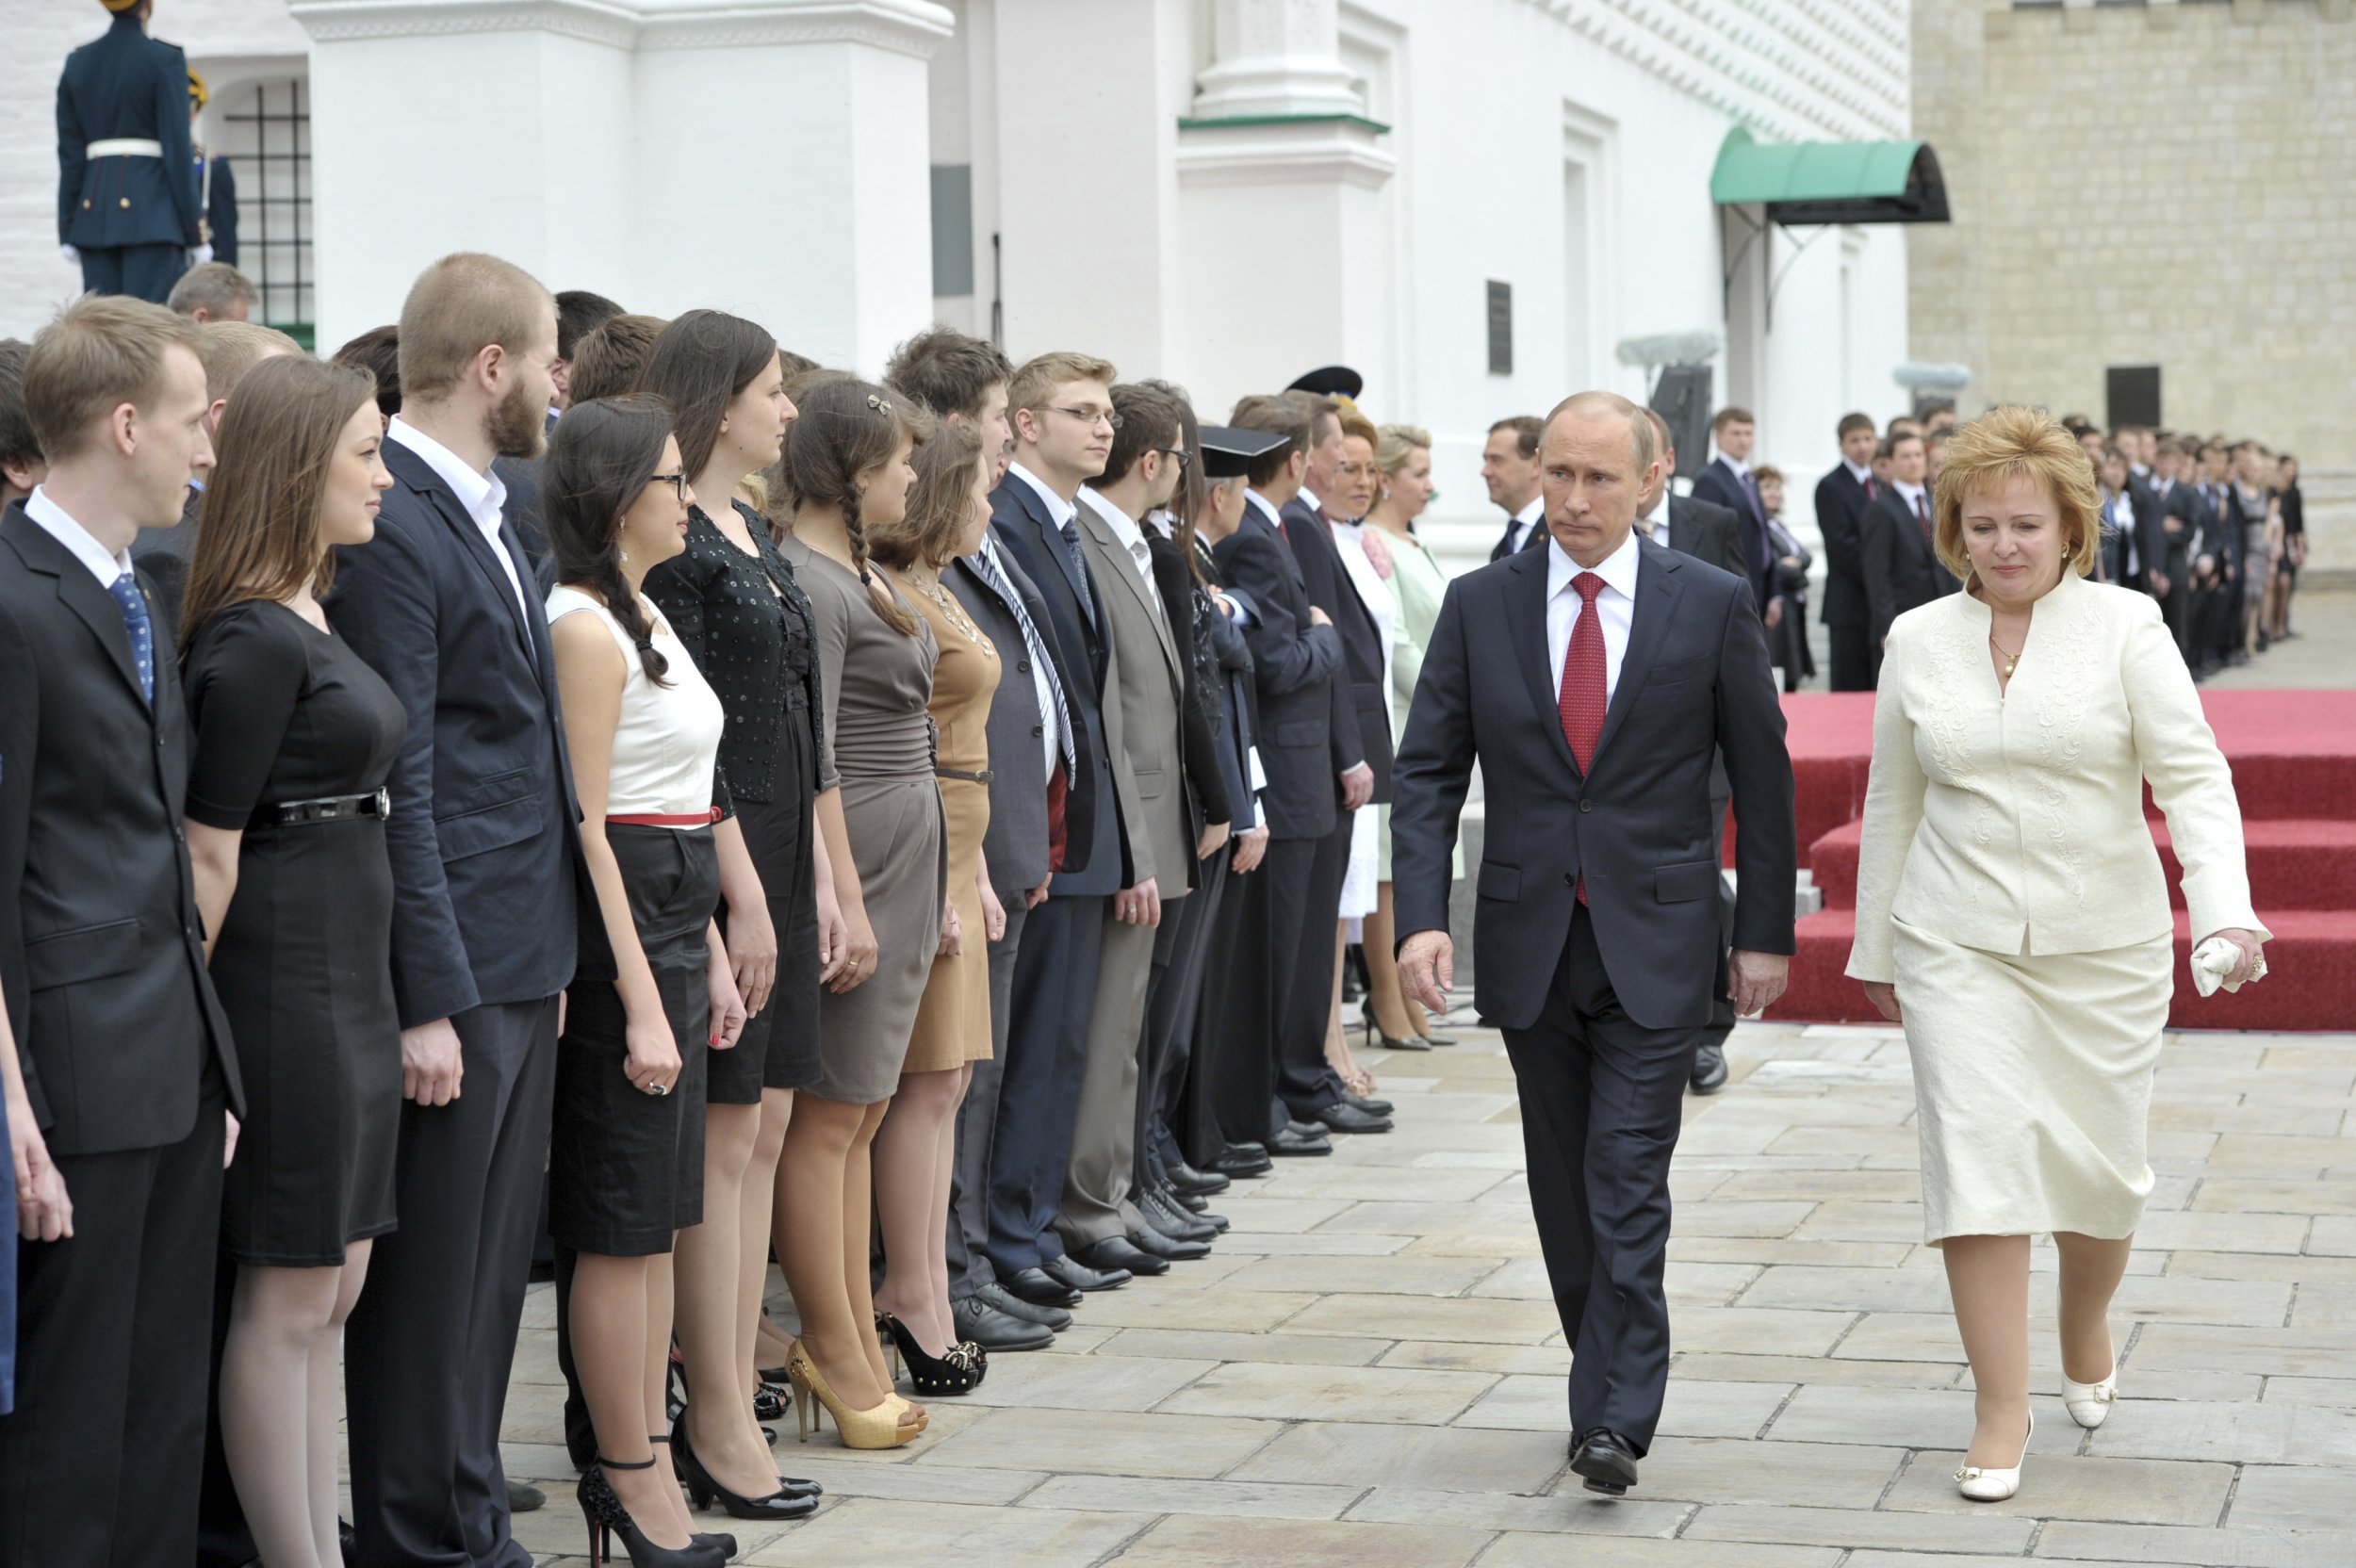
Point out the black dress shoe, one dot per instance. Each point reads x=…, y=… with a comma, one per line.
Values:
x=1606, y=1460
x=1067, y=1269
x=1189, y=1180
x=1709, y=1067
x=1116, y=1252
x=1373, y=1107
x=1169, y=1221
x=1343, y=1116
x=524, y=1498
x=986, y=1326
x=347, y=1540
x=1237, y=1163
x=997, y=1295
x=1159, y=1246
x=1295, y=1141
x=1039, y=1288
x=1193, y=1203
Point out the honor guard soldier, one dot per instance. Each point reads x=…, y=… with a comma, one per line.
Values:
x=215, y=189
x=126, y=203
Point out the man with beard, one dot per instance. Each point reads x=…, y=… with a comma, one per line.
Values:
x=483, y=840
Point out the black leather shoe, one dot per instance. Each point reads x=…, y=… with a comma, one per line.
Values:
x=1116, y=1252
x=1295, y=1140
x=1242, y=1162
x=1709, y=1067
x=1067, y=1269
x=997, y=1295
x=524, y=1498
x=986, y=1326
x=1161, y=1247
x=1173, y=1222
x=1343, y=1116
x=1373, y=1107
x=348, y=1538
x=1041, y=1289
x=1189, y=1180
x=1193, y=1203
x=1606, y=1460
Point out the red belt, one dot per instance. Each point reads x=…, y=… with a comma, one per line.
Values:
x=658, y=819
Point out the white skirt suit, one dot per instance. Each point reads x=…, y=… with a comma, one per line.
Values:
x=2008, y=887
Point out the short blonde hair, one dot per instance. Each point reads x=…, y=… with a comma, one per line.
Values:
x=230, y=348
x=2003, y=443
x=1037, y=381
x=1398, y=444
x=102, y=351
x=1358, y=425
x=459, y=307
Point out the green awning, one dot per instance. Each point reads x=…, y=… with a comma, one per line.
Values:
x=1831, y=182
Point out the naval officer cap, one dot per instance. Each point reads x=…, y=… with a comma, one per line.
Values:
x=1228, y=450
x=1332, y=380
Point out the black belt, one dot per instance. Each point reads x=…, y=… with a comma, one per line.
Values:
x=982, y=777
x=295, y=814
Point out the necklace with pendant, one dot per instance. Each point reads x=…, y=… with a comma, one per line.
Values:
x=950, y=609
x=2012, y=660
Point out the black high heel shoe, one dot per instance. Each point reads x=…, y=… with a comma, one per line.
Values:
x=790, y=1500
x=602, y=1511
x=725, y=1543
x=934, y=1376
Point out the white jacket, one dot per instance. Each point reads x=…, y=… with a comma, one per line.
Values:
x=1994, y=816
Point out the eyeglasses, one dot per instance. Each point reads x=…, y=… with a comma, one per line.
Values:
x=1177, y=454
x=1090, y=415
x=678, y=479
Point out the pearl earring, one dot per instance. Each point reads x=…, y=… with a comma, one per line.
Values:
x=625, y=554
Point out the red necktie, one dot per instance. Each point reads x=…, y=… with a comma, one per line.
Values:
x=1869, y=490
x=1922, y=519
x=1581, y=700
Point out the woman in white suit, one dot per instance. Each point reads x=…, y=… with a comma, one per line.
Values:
x=2011, y=909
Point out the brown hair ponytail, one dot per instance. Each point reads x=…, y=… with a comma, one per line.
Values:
x=847, y=430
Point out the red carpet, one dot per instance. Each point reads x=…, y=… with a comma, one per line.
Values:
x=2294, y=760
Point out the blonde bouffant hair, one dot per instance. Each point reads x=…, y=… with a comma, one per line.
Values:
x=1996, y=447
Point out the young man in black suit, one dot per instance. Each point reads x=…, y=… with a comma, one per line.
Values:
x=1594, y=682
x=127, y=1064
x=1509, y=468
x=484, y=844
x=1841, y=497
x=1728, y=481
x=1894, y=543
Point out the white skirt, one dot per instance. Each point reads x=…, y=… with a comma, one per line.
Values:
x=2033, y=1084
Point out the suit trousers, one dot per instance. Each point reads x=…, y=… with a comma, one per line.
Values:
x=1096, y=1189
x=1039, y=1085
x=428, y=1348
x=143, y=271
x=1305, y=1082
x=1232, y=1075
x=101, y=1463
x=1851, y=655
x=1601, y=1102
x=2175, y=607
x=968, y=1246
x=1171, y=1011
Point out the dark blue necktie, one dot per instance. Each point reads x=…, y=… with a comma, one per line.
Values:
x=133, y=604
x=1068, y=536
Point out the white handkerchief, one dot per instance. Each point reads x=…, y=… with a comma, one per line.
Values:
x=2212, y=961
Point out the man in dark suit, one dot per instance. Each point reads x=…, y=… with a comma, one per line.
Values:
x=1594, y=682
x=1894, y=543
x=1841, y=498
x=2180, y=530
x=1297, y=659
x=126, y=1060
x=485, y=845
x=2134, y=546
x=126, y=203
x=216, y=187
x=1509, y=467
x=1727, y=482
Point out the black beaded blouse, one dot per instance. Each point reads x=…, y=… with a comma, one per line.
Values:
x=757, y=649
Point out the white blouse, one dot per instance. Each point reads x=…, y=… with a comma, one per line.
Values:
x=2011, y=820
x=668, y=739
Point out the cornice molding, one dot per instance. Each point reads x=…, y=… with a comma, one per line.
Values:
x=913, y=27
x=1297, y=152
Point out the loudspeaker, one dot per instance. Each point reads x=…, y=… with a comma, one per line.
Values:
x=2134, y=395
x=1681, y=398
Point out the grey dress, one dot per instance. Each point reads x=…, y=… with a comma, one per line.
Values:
x=879, y=728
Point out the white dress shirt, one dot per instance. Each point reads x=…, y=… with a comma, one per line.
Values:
x=1528, y=519
x=1861, y=472
x=1615, y=605
x=482, y=495
x=55, y=522
x=1132, y=539
x=1917, y=500
x=1268, y=510
x=1656, y=522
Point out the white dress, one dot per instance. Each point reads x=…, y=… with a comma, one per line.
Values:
x=1361, y=881
x=2009, y=888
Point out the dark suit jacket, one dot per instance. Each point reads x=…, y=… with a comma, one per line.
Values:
x=1719, y=486
x=1015, y=843
x=1361, y=706
x=1841, y=518
x=221, y=209
x=1294, y=665
x=1097, y=864
x=124, y=83
x=484, y=831
x=102, y=954
x=1900, y=570
x=2150, y=539
x=1208, y=798
x=165, y=553
x=2180, y=522
x=521, y=475
x=1638, y=826
x=1231, y=702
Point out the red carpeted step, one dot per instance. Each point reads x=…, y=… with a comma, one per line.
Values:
x=2294, y=863
x=2311, y=984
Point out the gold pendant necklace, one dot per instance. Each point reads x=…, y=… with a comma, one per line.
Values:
x=2012, y=660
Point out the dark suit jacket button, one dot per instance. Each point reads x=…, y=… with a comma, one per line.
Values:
x=1038, y=729
x=1586, y=806
x=1022, y=667
x=1570, y=879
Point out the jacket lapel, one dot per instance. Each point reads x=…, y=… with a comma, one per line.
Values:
x=79, y=592
x=1050, y=539
x=419, y=474
x=1526, y=629
x=1658, y=591
x=1118, y=563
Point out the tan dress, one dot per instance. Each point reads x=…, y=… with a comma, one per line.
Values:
x=953, y=1022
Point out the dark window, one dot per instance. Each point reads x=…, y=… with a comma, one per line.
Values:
x=268, y=145
x=1500, y=328
x=2134, y=395
x=953, y=229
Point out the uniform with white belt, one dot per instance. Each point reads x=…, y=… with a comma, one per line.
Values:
x=126, y=207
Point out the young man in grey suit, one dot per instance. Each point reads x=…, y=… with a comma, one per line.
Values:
x=1594, y=682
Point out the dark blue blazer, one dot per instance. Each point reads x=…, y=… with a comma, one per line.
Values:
x=124, y=83
x=1096, y=864
x=484, y=831
x=1296, y=666
x=102, y=952
x=1361, y=725
x=1638, y=824
x=1841, y=518
x=1719, y=484
x=220, y=207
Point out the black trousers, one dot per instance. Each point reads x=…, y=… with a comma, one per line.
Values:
x=1601, y=1099
x=1170, y=1013
x=1039, y=1085
x=143, y=271
x=1850, y=655
x=100, y=1462
x=1305, y=1082
x=429, y=1349
x=1231, y=1076
x=2175, y=606
x=968, y=1246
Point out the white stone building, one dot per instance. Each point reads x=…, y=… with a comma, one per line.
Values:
x=1473, y=202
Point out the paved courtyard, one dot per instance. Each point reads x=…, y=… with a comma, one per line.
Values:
x=1368, y=1371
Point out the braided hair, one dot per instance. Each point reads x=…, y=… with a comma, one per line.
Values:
x=598, y=462
x=847, y=430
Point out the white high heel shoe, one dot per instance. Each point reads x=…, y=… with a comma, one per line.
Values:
x=2089, y=1404
x=1994, y=1486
